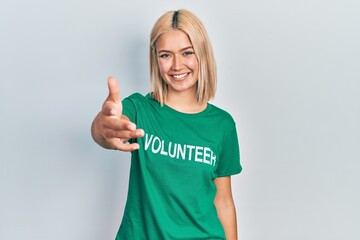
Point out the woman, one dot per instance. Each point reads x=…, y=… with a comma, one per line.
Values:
x=184, y=149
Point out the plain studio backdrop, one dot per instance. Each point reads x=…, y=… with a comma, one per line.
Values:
x=288, y=72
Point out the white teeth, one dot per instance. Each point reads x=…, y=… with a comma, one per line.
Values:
x=180, y=76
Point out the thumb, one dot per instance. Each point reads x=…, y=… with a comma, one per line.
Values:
x=113, y=105
x=114, y=92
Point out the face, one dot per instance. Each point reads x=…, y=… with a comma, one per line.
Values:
x=177, y=62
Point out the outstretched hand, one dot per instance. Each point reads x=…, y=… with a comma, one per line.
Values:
x=110, y=128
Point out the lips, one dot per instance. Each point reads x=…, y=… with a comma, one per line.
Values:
x=179, y=76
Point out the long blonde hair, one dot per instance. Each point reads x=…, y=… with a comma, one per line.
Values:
x=187, y=22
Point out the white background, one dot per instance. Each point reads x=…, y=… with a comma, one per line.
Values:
x=288, y=73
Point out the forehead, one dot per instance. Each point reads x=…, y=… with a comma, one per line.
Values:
x=173, y=40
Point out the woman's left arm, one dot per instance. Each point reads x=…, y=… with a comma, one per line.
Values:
x=225, y=206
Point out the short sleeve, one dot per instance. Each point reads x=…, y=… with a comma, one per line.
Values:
x=229, y=158
x=129, y=108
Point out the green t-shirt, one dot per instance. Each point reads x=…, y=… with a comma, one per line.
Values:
x=171, y=189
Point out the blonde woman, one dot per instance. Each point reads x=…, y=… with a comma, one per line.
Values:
x=183, y=149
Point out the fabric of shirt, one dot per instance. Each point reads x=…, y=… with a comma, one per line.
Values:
x=171, y=187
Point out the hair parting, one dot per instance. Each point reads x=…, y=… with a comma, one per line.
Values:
x=175, y=20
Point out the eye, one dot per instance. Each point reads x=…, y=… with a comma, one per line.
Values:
x=165, y=55
x=187, y=53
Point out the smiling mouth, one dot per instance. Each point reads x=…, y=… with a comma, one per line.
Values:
x=180, y=76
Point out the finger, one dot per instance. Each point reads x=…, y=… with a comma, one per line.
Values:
x=114, y=92
x=112, y=105
x=114, y=96
x=117, y=144
x=128, y=147
x=123, y=134
x=118, y=124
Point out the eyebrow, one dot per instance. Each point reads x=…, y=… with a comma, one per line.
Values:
x=183, y=49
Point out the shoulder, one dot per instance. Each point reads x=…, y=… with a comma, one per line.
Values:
x=139, y=101
x=135, y=97
x=221, y=114
x=139, y=98
x=136, y=103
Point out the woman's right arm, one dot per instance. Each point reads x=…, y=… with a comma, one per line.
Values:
x=110, y=129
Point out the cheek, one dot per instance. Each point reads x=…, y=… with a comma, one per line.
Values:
x=193, y=64
x=163, y=66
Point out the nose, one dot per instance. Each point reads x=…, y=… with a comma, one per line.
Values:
x=177, y=63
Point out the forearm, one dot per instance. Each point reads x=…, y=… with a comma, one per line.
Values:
x=227, y=216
